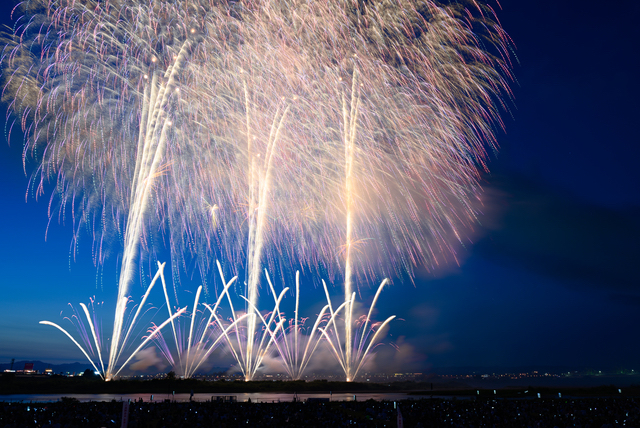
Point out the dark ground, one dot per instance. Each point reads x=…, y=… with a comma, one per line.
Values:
x=542, y=413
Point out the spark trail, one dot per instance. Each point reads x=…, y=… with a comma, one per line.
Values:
x=150, y=153
x=349, y=120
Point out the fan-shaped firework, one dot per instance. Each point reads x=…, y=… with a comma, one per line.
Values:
x=333, y=134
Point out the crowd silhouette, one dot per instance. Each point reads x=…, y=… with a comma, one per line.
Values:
x=427, y=413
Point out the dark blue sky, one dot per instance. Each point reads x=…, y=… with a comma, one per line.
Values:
x=550, y=277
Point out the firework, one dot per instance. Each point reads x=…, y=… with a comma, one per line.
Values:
x=344, y=136
x=376, y=121
x=295, y=348
x=354, y=351
x=210, y=333
x=95, y=356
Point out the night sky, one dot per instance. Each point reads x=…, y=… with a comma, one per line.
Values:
x=550, y=278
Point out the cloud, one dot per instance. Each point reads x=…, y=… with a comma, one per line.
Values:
x=556, y=235
x=399, y=357
x=322, y=360
x=147, y=358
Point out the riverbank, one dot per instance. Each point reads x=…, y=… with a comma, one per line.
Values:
x=12, y=385
x=94, y=385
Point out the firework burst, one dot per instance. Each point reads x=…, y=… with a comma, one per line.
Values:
x=270, y=132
